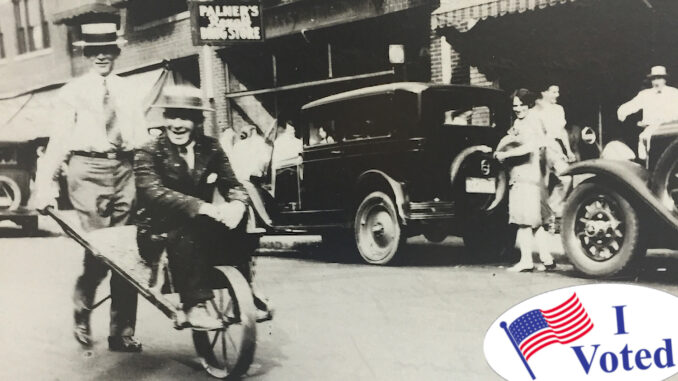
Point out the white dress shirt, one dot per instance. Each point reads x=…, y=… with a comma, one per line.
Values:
x=79, y=120
x=658, y=106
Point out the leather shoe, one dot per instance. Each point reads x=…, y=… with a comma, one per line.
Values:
x=200, y=320
x=81, y=330
x=82, y=335
x=123, y=344
x=520, y=268
x=264, y=311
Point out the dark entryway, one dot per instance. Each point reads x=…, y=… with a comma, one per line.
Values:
x=598, y=51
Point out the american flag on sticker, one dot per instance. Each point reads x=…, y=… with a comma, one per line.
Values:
x=537, y=329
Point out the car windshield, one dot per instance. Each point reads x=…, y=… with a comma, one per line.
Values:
x=480, y=108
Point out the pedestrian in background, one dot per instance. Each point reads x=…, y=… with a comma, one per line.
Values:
x=658, y=104
x=553, y=120
x=96, y=126
x=522, y=151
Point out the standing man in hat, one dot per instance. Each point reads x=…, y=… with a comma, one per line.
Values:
x=659, y=104
x=96, y=127
x=176, y=176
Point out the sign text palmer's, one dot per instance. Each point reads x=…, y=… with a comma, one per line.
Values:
x=226, y=22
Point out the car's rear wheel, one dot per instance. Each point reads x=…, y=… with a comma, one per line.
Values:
x=377, y=229
x=601, y=231
x=665, y=178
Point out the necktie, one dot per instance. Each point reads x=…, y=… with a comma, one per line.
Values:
x=183, y=152
x=112, y=130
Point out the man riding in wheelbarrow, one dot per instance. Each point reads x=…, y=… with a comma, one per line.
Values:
x=176, y=177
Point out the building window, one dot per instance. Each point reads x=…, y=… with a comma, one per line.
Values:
x=145, y=11
x=32, y=29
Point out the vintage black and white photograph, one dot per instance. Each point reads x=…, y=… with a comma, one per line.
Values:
x=336, y=189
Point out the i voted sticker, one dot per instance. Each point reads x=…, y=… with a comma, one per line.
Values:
x=591, y=332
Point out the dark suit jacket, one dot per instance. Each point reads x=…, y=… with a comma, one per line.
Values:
x=169, y=195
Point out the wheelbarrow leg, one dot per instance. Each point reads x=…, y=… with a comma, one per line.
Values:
x=97, y=304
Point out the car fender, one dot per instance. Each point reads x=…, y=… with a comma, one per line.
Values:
x=459, y=159
x=502, y=183
x=630, y=178
x=397, y=188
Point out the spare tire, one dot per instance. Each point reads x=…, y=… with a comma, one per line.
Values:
x=10, y=194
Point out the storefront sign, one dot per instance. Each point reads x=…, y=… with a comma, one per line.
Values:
x=226, y=22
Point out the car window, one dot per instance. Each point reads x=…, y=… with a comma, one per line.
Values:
x=368, y=120
x=322, y=132
x=472, y=115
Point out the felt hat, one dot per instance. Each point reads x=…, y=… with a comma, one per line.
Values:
x=182, y=97
x=657, y=72
x=99, y=34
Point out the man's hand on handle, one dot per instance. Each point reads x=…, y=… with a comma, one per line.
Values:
x=45, y=199
x=229, y=213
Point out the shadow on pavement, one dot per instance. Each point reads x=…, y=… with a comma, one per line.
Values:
x=6, y=232
x=417, y=253
x=660, y=269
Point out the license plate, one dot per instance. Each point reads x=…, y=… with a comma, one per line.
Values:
x=480, y=185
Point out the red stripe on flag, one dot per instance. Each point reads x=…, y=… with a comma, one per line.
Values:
x=577, y=316
x=567, y=322
x=574, y=296
x=530, y=352
x=562, y=336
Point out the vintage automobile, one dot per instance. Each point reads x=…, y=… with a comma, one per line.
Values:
x=17, y=165
x=383, y=163
x=623, y=208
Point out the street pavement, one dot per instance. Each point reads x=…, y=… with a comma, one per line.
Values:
x=335, y=319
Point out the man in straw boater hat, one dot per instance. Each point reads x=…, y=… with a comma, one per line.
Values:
x=96, y=126
x=176, y=177
x=659, y=104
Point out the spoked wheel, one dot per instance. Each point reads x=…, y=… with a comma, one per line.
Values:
x=228, y=352
x=600, y=231
x=665, y=178
x=10, y=194
x=377, y=229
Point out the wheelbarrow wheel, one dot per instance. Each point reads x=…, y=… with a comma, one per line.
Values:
x=228, y=352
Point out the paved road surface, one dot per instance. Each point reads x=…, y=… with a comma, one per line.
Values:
x=335, y=321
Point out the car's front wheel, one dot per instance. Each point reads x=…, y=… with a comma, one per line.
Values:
x=378, y=232
x=601, y=231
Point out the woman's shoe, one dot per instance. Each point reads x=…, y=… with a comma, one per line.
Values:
x=550, y=267
x=521, y=268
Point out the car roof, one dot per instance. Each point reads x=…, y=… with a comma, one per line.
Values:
x=390, y=88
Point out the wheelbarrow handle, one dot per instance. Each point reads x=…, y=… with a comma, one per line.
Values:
x=69, y=230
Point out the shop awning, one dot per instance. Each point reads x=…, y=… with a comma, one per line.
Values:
x=31, y=120
x=65, y=11
x=29, y=116
x=463, y=14
x=149, y=85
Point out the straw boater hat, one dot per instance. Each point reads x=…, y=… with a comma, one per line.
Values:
x=658, y=72
x=182, y=97
x=99, y=34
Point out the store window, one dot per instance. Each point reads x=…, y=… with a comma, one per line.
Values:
x=32, y=29
x=147, y=11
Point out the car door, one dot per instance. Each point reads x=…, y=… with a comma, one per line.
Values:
x=322, y=175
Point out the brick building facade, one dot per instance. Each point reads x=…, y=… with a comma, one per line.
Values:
x=312, y=48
